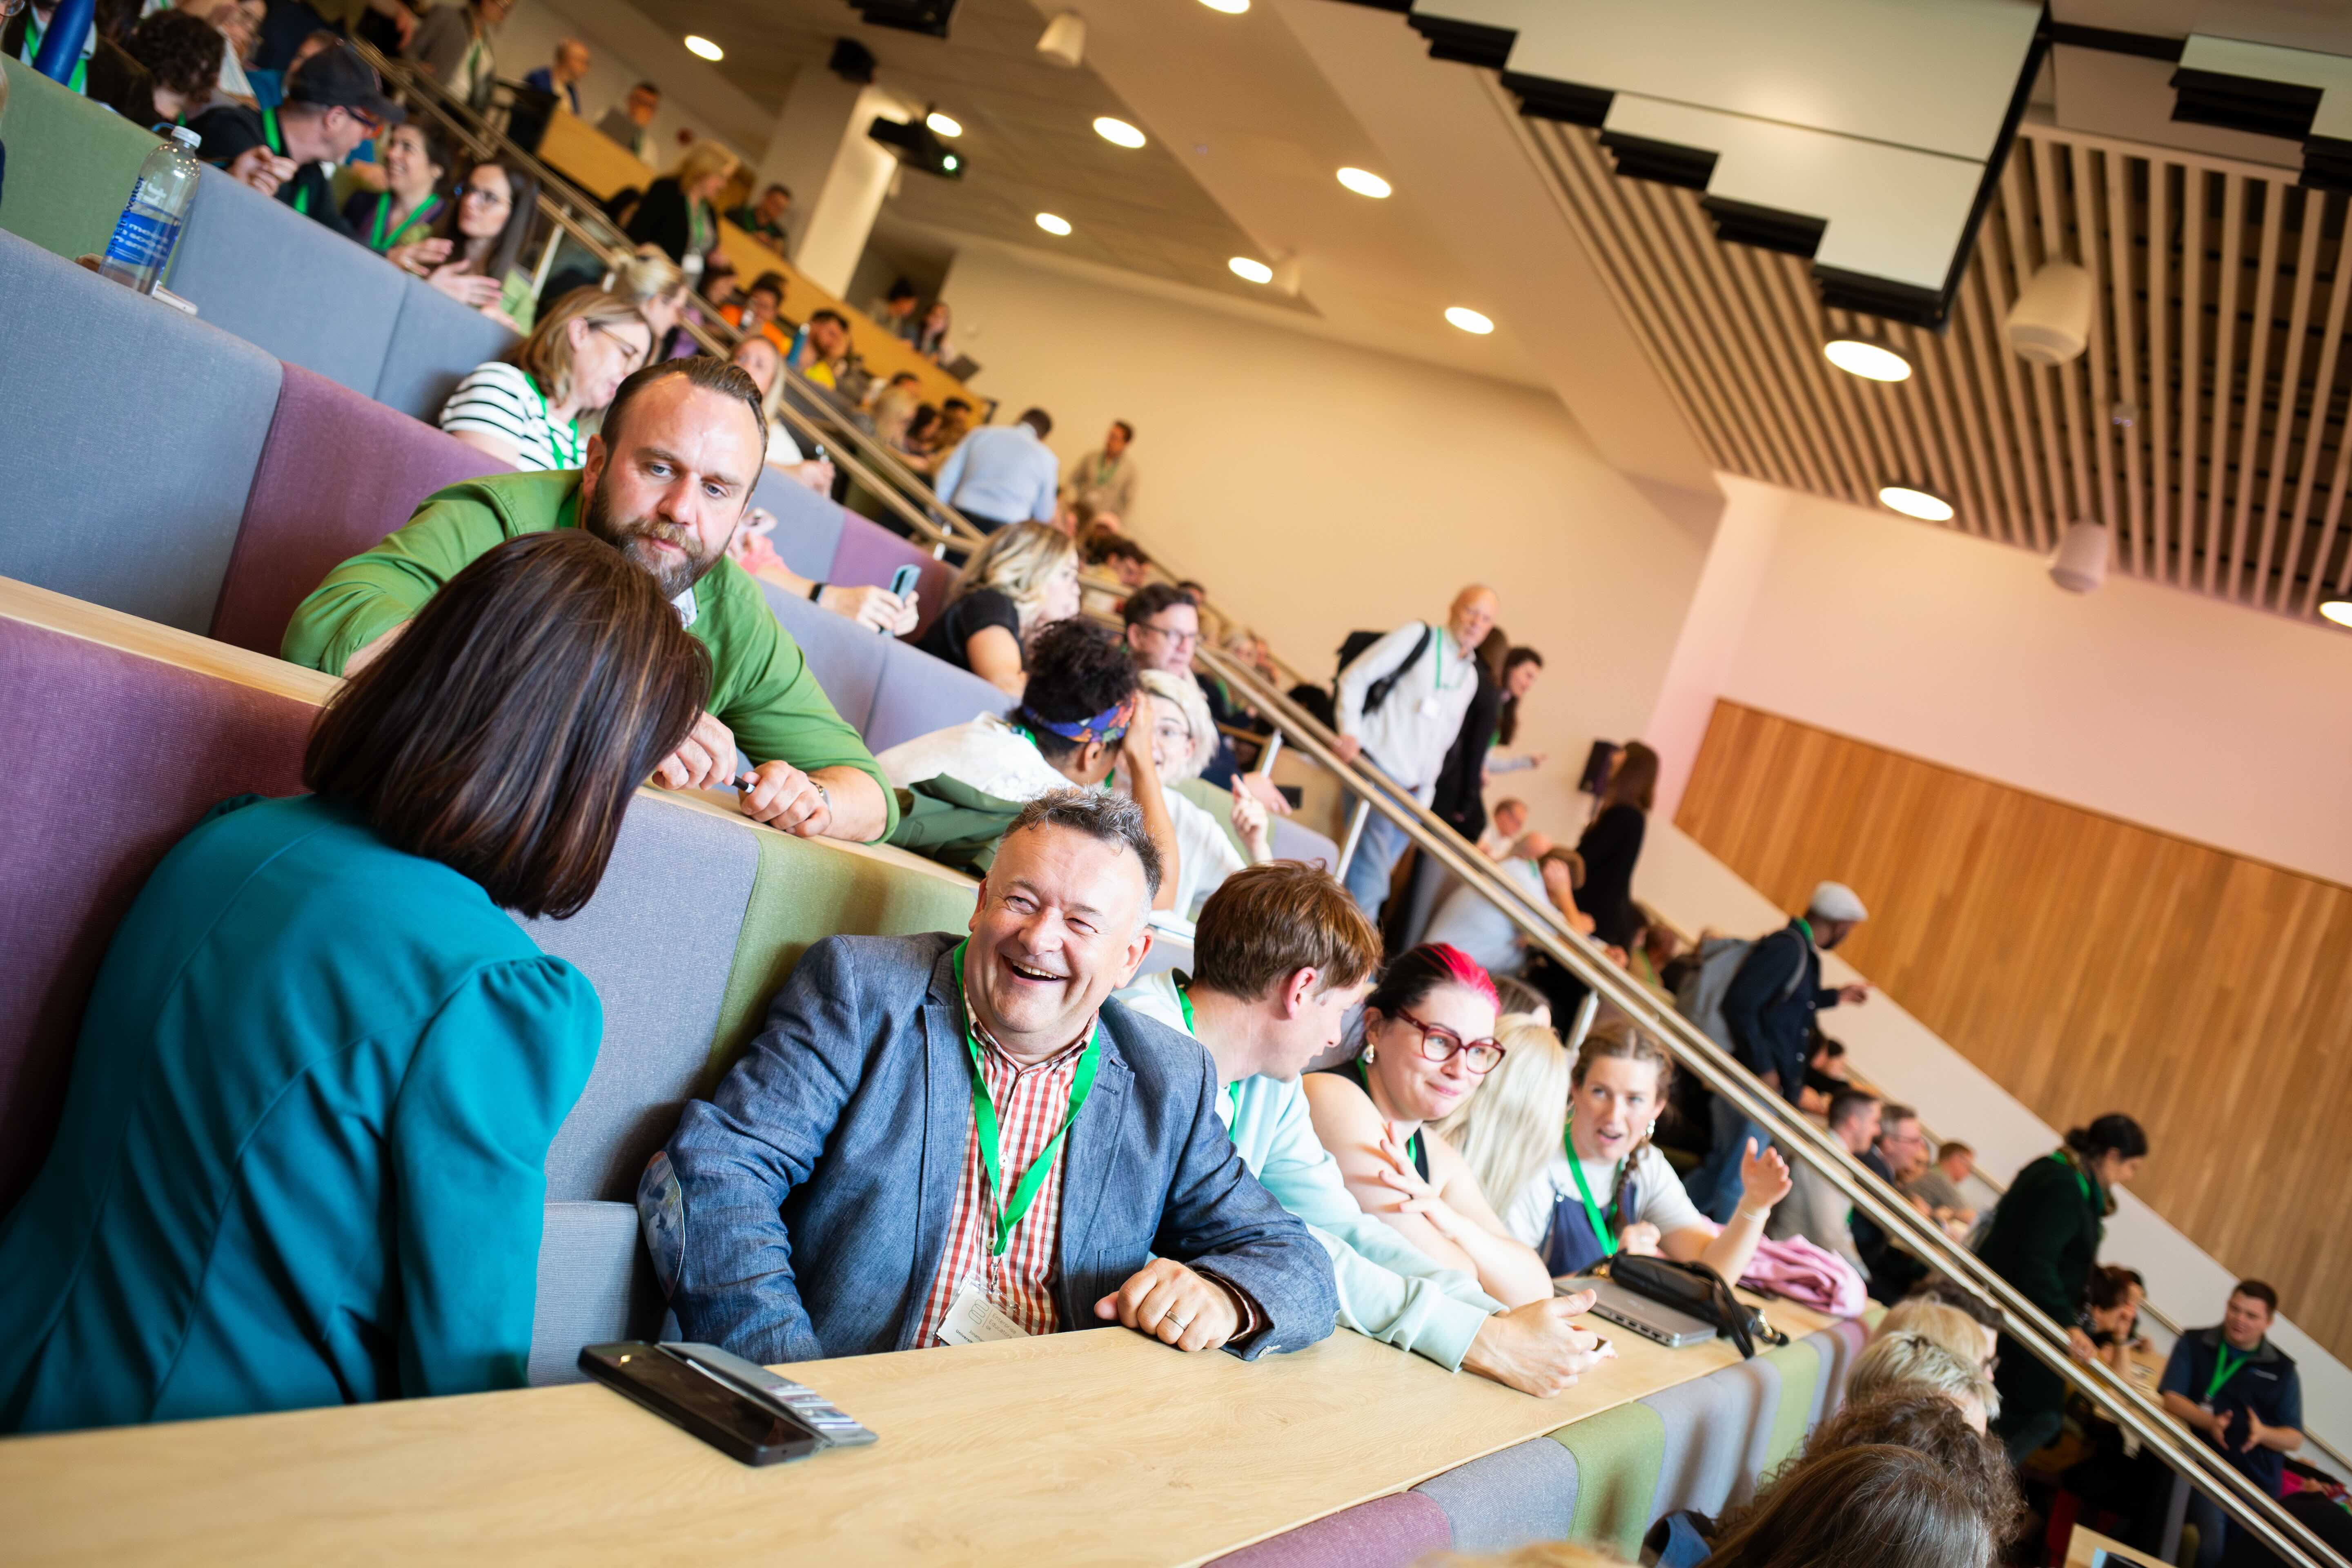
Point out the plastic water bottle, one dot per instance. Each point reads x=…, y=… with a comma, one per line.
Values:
x=150, y=224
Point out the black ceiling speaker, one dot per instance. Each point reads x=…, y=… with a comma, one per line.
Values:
x=915, y=144
x=852, y=62
x=908, y=16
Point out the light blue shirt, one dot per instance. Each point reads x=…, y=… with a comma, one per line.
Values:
x=1387, y=1289
x=1002, y=473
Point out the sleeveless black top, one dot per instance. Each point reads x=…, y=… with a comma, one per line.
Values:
x=1353, y=1070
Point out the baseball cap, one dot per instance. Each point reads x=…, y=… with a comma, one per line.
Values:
x=1836, y=901
x=336, y=78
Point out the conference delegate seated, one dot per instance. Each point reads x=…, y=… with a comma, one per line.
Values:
x=665, y=484
x=1183, y=740
x=1468, y=919
x=1607, y=1188
x=1025, y=576
x=1281, y=954
x=525, y=410
x=1428, y=1042
x=885, y=1168
x=1075, y=726
x=300, y=1157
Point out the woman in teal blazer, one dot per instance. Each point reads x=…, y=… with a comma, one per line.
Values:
x=300, y=1158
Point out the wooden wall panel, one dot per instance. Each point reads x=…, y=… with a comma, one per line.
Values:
x=2088, y=965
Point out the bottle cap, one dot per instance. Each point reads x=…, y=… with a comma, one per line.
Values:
x=185, y=137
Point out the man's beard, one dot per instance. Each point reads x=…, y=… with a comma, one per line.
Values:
x=636, y=539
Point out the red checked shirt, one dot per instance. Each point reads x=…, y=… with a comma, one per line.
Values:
x=1031, y=1102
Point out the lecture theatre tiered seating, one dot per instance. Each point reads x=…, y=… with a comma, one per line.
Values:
x=188, y=479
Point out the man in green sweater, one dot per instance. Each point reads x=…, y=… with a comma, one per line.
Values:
x=666, y=484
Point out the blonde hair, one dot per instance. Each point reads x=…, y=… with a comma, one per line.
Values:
x=1512, y=1126
x=546, y=355
x=1945, y=1324
x=1909, y=1358
x=702, y=160
x=645, y=276
x=1541, y=1554
x=1017, y=561
x=1185, y=692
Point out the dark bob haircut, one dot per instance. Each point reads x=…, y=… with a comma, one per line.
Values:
x=502, y=732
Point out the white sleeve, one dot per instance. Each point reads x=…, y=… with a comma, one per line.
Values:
x=1664, y=1201
x=1527, y=1216
x=1389, y=653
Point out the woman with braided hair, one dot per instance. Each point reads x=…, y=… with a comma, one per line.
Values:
x=1606, y=1189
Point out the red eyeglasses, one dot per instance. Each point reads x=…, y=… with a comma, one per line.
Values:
x=1439, y=1044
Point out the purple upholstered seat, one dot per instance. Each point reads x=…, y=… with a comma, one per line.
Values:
x=867, y=554
x=338, y=472
x=1386, y=1532
x=117, y=758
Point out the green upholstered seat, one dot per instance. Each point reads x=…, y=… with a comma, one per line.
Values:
x=71, y=165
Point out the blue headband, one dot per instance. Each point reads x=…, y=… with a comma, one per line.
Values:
x=1107, y=726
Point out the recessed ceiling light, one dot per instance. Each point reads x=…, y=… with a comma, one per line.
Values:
x=941, y=125
x=1913, y=501
x=2337, y=609
x=1230, y=8
x=697, y=44
x=1253, y=271
x=1117, y=131
x=1051, y=223
x=1872, y=361
x=1468, y=320
x=1364, y=183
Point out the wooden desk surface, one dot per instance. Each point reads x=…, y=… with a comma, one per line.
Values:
x=1100, y=1446
x=2084, y=1545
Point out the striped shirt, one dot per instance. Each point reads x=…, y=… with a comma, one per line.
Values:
x=1031, y=1102
x=498, y=399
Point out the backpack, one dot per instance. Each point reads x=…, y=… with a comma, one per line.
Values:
x=1378, y=691
x=1700, y=996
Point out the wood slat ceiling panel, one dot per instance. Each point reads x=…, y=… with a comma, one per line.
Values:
x=2204, y=425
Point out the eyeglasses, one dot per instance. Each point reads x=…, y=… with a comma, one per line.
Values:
x=636, y=354
x=1181, y=639
x=1439, y=1044
x=487, y=193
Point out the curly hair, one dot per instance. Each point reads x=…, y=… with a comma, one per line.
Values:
x=1076, y=669
x=181, y=51
x=1929, y=1424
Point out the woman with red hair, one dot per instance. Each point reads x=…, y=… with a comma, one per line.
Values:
x=1427, y=1043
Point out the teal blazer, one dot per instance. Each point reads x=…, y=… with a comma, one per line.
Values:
x=300, y=1158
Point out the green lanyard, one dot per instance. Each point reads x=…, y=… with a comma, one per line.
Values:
x=1233, y=1089
x=1437, y=666
x=2223, y=1369
x=1412, y=1145
x=277, y=145
x=378, y=240
x=2081, y=1179
x=571, y=456
x=80, y=76
x=1015, y=1207
x=698, y=219
x=1591, y=1209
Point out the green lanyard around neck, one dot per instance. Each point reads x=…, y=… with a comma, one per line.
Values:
x=1592, y=1210
x=571, y=455
x=2224, y=1368
x=2081, y=1177
x=1015, y=1207
x=76, y=83
x=269, y=134
x=1233, y=1089
x=378, y=240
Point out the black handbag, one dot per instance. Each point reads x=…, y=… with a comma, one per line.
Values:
x=1695, y=1289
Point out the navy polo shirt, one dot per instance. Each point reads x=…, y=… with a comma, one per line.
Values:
x=2264, y=1382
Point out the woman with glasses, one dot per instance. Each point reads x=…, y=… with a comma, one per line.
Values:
x=485, y=226
x=1605, y=1188
x=1428, y=1044
x=525, y=410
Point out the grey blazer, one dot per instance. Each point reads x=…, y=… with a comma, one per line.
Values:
x=803, y=1209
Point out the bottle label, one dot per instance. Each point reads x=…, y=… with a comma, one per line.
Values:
x=142, y=240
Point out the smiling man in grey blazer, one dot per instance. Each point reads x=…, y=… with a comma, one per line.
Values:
x=941, y=1141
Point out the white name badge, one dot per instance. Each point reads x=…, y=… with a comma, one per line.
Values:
x=1429, y=707
x=972, y=1319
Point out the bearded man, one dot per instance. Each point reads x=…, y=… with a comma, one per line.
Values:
x=667, y=483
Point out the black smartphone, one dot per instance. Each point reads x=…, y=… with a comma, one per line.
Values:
x=675, y=1388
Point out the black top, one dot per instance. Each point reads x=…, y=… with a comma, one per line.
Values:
x=1769, y=1005
x=231, y=130
x=662, y=218
x=967, y=613
x=1460, y=794
x=1611, y=845
x=114, y=77
x=1352, y=1069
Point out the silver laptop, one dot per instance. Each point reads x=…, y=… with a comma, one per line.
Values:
x=1651, y=1320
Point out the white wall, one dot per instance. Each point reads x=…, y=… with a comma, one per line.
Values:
x=1318, y=487
x=2181, y=714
